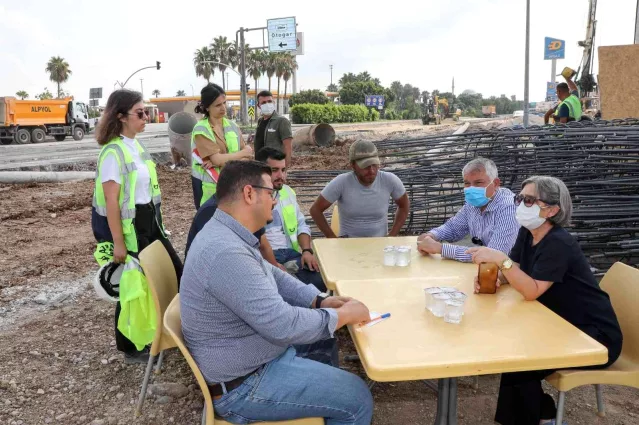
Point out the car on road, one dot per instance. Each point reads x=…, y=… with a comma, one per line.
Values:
x=518, y=114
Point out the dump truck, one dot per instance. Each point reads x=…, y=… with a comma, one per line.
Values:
x=31, y=121
x=489, y=111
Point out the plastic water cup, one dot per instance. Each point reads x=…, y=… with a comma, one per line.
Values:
x=453, y=311
x=439, y=304
x=459, y=296
x=429, y=292
x=390, y=256
x=448, y=289
x=403, y=256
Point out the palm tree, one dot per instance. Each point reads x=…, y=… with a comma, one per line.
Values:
x=270, y=67
x=281, y=66
x=156, y=93
x=223, y=50
x=58, y=70
x=180, y=93
x=201, y=60
x=291, y=66
x=22, y=94
x=255, y=66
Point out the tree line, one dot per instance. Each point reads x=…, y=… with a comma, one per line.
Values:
x=222, y=53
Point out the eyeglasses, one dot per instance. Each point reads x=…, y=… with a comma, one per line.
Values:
x=274, y=193
x=140, y=114
x=529, y=201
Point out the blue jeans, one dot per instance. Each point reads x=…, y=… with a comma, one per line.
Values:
x=291, y=387
x=307, y=276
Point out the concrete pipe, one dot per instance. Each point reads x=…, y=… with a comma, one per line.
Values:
x=180, y=127
x=315, y=135
x=25, y=177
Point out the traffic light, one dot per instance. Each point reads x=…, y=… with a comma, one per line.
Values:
x=247, y=87
x=157, y=65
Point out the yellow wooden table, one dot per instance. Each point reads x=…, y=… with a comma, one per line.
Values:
x=361, y=258
x=498, y=333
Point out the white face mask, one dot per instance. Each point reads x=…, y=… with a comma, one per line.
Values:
x=528, y=217
x=267, y=108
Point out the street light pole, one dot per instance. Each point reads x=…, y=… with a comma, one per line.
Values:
x=637, y=25
x=142, y=87
x=192, y=91
x=527, y=65
x=331, y=66
x=243, y=110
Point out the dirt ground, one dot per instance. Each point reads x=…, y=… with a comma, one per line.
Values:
x=58, y=362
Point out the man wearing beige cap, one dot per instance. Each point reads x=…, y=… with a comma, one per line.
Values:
x=362, y=197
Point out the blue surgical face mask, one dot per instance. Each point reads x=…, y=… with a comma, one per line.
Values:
x=476, y=196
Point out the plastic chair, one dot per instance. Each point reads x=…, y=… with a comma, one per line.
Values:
x=173, y=324
x=621, y=282
x=335, y=221
x=160, y=275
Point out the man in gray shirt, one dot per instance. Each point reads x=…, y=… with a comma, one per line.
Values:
x=241, y=317
x=362, y=197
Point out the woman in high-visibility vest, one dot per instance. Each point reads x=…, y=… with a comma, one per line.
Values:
x=126, y=215
x=215, y=140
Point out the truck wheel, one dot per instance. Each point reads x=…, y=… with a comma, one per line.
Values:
x=60, y=137
x=78, y=133
x=22, y=137
x=38, y=135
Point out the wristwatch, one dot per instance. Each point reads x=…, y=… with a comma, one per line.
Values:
x=308, y=250
x=506, y=265
x=320, y=298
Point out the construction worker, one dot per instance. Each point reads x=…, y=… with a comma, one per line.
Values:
x=273, y=130
x=362, y=197
x=288, y=234
x=126, y=216
x=570, y=107
x=215, y=140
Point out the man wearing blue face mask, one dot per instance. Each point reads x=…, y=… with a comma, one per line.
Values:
x=488, y=216
x=273, y=130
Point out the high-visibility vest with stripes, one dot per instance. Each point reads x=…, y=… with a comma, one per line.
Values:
x=232, y=135
x=574, y=107
x=288, y=203
x=138, y=319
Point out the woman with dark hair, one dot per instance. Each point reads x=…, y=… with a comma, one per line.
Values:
x=215, y=140
x=546, y=264
x=126, y=215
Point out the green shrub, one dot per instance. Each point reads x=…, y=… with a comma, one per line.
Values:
x=307, y=113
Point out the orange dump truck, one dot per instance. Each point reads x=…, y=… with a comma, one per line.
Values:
x=30, y=121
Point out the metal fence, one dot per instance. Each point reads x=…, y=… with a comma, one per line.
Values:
x=598, y=161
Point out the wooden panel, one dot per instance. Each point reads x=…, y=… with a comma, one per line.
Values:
x=618, y=81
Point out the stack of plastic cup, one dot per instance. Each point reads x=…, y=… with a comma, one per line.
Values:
x=390, y=256
x=445, y=302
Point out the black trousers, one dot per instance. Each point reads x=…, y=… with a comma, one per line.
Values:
x=522, y=400
x=147, y=231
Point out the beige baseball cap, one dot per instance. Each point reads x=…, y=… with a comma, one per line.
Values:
x=364, y=153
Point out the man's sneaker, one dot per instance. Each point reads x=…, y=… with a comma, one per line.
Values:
x=553, y=422
x=140, y=357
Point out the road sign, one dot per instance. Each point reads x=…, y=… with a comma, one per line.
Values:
x=94, y=102
x=251, y=111
x=375, y=100
x=251, y=102
x=551, y=91
x=281, y=34
x=300, y=44
x=95, y=93
x=554, y=48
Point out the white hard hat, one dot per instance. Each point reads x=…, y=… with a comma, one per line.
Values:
x=107, y=281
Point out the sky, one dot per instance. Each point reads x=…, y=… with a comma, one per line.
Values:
x=424, y=43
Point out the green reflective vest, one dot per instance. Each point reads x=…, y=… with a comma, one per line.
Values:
x=288, y=203
x=232, y=135
x=574, y=107
x=137, y=319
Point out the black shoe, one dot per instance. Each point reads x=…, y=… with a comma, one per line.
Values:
x=139, y=357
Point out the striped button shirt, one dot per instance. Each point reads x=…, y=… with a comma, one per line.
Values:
x=496, y=226
x=238, y=311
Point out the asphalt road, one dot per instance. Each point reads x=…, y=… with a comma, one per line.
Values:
x=52, y=153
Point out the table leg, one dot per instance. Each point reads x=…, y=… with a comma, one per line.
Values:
x=452, y=402
x=443, y=390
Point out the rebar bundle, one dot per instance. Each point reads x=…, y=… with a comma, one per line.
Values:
x=598, y=161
